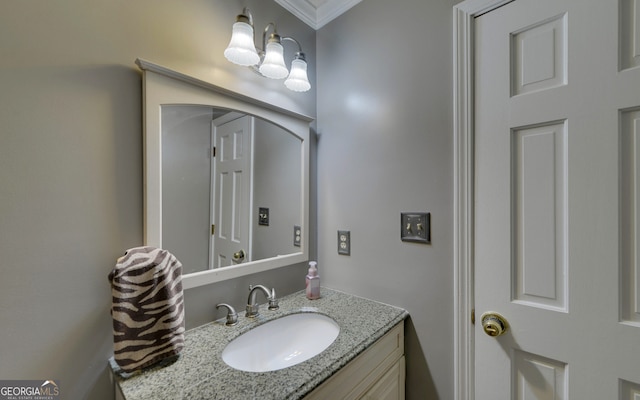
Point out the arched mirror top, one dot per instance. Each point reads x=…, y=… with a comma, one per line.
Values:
x=185, y=200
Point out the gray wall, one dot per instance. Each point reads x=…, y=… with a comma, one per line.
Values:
x=385, y=146
x=277, y=173
x=186, y=184
x=71, y=166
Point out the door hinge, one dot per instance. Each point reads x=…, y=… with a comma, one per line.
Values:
x=473, y=316
x=213, y=229
x=213, y=151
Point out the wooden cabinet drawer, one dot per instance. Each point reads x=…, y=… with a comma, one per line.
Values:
x=390, y=386
x=366, y=370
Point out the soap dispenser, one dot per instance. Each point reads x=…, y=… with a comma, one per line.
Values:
x=313, y=281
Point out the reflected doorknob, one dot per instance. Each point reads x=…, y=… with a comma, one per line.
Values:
x=238, y=256
x=494, y=324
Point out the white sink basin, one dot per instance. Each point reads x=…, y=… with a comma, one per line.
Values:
x=281, y=343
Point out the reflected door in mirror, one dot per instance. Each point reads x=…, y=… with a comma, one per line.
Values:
x=232, y=197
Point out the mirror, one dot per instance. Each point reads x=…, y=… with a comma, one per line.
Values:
x=226, y=178
x=230, y=183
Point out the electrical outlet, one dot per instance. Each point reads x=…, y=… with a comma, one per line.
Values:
x=415, y=227
x=263, y=216
x=297, y=236
x=344, y=243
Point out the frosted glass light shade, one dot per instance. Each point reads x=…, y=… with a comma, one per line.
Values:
x=273, y=65
x=298, y=80
x=241, y=49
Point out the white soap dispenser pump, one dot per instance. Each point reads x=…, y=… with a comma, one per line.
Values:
x=313, y=281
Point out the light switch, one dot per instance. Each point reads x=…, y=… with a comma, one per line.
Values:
x=263, y=216
x=415, y=227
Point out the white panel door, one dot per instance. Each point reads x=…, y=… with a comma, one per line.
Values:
x=557, y=100
x=232, y=206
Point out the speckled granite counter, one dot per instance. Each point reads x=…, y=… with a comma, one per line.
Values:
x=200, y=372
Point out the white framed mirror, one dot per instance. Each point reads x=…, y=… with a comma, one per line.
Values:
x=222, y=220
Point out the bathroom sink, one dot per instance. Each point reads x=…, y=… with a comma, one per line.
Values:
x=281, y=343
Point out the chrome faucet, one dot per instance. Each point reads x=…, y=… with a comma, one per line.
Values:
x=252, y=304
x=232, y=316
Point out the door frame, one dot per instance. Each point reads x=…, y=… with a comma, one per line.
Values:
x=463, y=190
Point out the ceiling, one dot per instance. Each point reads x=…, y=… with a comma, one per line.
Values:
x=317, y=13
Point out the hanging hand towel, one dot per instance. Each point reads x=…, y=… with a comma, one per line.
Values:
x=147, y=308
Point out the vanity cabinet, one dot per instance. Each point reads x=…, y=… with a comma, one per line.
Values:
x=371, y=337
x=377, y=373
x=118, y=395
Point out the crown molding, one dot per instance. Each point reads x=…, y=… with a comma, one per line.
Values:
x=317, y=13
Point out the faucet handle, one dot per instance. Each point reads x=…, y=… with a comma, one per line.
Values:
x=273, y=302
x=232, y=316
x=252, y=305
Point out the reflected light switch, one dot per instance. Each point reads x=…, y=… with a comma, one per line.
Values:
x=263, y=216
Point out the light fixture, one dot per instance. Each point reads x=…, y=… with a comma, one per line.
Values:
x=268, y=61
x=297, y=79
x=273, y=64
x=241, y=49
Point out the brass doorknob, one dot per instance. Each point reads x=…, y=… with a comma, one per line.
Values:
x=238, y=256
x=494, y=324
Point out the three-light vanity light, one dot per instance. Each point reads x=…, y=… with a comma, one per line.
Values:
x=268, y=62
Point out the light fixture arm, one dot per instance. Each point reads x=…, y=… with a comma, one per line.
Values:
x=300, y=54
x=294, y=41
x=247, y=13
x=245, y=16
x=273, y=37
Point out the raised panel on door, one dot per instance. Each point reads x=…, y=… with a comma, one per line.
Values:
x=539, y=219
x=536, y=377
x=539, y=56
x=629, y=34
x=630, y=216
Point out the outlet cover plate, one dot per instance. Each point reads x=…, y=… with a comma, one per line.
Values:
x=344, y=243
x=415, y=227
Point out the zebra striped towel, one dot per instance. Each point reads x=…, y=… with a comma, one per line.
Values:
x=147, y=308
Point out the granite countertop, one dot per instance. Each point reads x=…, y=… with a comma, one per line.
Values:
x=200, y=372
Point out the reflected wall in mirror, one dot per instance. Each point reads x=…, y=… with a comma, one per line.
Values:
x=261, y=161
x=219, y=168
